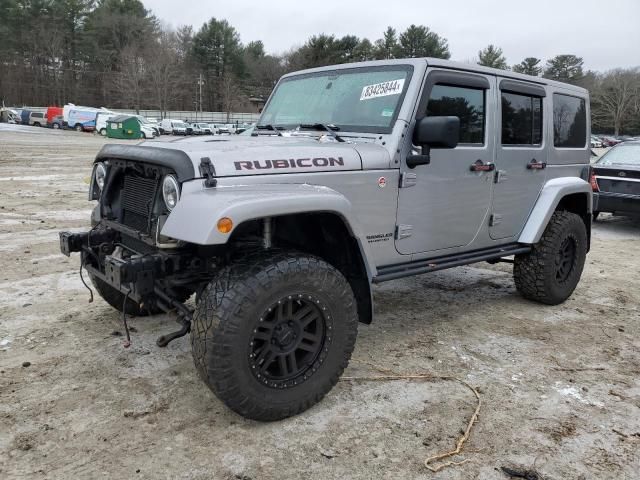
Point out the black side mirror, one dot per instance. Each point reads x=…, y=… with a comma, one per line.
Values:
x=434, y=132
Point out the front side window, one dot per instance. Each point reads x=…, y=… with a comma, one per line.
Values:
x=521, y=119
x=468, y=104
x=365, y=99
x=569, y=121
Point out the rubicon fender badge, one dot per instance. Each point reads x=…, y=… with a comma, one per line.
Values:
x=382, y=182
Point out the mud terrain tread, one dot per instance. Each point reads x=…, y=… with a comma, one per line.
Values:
x=219, y=316
x=534, y=272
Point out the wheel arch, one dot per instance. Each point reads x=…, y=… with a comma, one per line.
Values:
x=311, y=219
x=327, y=235
x=570, y=194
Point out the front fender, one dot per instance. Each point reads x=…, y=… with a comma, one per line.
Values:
x=195, y=216
x=550, y=196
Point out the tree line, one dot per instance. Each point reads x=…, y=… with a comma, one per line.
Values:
x=117, y=53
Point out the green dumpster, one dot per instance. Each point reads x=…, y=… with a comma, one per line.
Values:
x=124, y=126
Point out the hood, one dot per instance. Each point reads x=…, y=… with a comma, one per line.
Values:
x=246, y=155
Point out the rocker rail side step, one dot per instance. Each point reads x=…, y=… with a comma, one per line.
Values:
x=392, y=272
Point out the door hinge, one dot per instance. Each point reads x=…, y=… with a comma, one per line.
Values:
x=495, y=219
x=403, y=231
x=408, y=179
x=501, y=176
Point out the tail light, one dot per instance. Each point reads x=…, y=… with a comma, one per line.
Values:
x=594, y=181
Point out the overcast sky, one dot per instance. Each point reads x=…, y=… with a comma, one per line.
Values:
x=605, y=34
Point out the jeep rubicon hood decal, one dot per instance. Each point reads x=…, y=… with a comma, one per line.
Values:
x=260, y=156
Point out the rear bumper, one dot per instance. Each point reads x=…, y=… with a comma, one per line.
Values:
x=616, y=202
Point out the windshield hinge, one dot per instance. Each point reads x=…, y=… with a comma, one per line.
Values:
x=208, y=171
x=408, y=179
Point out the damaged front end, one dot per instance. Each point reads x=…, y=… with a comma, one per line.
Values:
x=125, y=249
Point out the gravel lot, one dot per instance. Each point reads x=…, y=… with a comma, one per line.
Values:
x=560, y=385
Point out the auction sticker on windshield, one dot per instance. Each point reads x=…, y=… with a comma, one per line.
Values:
x=392, y=87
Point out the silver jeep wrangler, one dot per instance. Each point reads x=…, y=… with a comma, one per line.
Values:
x=355, y=174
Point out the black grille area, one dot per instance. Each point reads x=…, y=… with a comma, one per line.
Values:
x=138, y=195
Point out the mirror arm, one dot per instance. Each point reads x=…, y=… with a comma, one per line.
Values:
x=422, y=159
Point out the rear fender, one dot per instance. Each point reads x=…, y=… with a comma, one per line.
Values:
x=550, y=197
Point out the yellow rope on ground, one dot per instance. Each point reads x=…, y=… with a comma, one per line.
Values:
x=391, y=376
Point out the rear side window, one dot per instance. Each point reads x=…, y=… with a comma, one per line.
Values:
x=466, y=103
x=37, y=115
x=521, y=119
x=569, y=121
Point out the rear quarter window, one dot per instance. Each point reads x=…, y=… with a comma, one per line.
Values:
x=569, y=121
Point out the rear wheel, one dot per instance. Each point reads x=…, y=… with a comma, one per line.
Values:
x=103, y=132
x=55, y=126
x=272, y=334
x=78, y=128
x=551, y=271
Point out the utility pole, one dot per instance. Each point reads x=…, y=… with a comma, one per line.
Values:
x=199, y=95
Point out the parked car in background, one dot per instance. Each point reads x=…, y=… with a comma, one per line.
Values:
x=81, y=119
x=609, y=141
x=53, y=112
x=205, y=129
x=37, y=119
x=57, y=122
x=24, y=116
x=219, y=128
x=596, y=142
x=195, y=129
x=615, y=180
x=101, y=121
x=146, y=123
x=8, y=115
x=175, y=127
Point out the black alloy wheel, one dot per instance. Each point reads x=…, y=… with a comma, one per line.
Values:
x=290, y=341
x=565, y=259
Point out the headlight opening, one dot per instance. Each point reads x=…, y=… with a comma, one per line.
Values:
x=170, y=191
x=100, y=175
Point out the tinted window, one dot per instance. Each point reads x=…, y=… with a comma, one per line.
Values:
x=521, y=119
x=462, y=102
x=569, y=121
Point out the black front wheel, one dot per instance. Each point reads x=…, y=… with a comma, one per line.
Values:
x=272, y=334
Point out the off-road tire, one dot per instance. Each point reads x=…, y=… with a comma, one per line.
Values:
x=537, y=274
x=228, y=315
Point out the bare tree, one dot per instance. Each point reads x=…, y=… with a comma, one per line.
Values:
x=131, y=81
x=616, y=97
x=165, y=71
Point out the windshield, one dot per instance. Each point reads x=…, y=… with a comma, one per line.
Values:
x=365, y=99
x=179, y=124
x=622, y=154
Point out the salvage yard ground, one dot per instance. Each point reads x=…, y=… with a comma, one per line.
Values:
x=560, y=386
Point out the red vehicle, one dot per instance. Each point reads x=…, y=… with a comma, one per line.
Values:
x=53, y=112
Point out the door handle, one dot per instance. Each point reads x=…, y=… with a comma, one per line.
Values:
x=480, y=166
x=535, y=165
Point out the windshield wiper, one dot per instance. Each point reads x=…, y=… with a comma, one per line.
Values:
x=330, y=129
x=268, y=126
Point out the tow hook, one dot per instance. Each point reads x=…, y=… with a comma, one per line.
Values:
x=184, y=316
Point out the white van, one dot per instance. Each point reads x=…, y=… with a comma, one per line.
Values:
x=101, y=121
x=175, y=127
